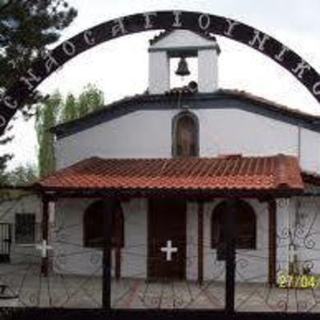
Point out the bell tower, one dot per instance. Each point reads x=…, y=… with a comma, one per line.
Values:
x=183, y=44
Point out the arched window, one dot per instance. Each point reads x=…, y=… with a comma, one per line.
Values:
x=245, y=226
x=93, y=226
x=185, y=135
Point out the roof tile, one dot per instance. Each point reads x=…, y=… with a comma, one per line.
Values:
x=222, y=173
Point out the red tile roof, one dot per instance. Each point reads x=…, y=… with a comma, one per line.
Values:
x=278, y=172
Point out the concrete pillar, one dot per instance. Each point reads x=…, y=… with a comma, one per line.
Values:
x=159, y=72
x=207, y=70
x=283, y=236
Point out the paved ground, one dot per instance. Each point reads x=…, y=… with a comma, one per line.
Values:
x=85, y=292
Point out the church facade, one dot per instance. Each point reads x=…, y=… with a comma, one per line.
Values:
x=169, y=159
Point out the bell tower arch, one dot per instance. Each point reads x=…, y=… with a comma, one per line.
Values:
x=183, y=44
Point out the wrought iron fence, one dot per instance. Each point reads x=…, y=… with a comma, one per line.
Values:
x=237, y=283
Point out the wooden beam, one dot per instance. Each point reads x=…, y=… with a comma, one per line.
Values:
x=200, y=242
x=272, y=208
x=193, y=195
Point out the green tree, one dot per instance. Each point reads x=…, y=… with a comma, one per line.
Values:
x=55, y=110
x=23, y=175
x=69, y=111
x=26, y=29
x=3, y=168
x=89, y=100
x=46, y=118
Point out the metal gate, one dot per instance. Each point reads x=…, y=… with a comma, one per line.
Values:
x=5, y=242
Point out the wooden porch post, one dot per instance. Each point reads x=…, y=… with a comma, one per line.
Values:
x=45, y=234
x=200, y=242
x=118, y=262
x=118, y=225
x=230, y=256
x=272, y=208
x=106, y=261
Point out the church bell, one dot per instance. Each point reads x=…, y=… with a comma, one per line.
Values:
x=183, y=69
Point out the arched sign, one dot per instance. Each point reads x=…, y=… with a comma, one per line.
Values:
x=16, y=96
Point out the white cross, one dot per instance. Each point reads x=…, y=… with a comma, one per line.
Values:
x=44, y=248
x=168, y=249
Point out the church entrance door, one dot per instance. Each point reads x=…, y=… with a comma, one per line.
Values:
x=166, y=239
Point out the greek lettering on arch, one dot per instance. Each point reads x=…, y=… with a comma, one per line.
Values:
x=160, y=20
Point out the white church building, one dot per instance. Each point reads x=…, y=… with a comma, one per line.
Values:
x=169, y=159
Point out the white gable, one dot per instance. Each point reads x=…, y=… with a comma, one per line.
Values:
x=148, y=134
x=183, y=38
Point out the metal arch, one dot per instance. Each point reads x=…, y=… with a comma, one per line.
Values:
x=16, y=96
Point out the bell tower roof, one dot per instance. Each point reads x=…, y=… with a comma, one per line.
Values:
x=183, y=40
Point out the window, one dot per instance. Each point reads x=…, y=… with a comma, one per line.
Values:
x=93, y=226
x=185, y=135
x=25, y=228
x=245, y=227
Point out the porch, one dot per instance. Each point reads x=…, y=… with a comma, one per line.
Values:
x=201, y=181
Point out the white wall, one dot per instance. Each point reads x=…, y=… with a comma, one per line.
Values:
x=207, y=70
x=134, y=254
x=305, y=214
x=230, y=131
x=139, y=134
x=22, y=253
x=310, y=150
x=147, y=134
x=159, y=72
x=70, y=256
x=251, y=265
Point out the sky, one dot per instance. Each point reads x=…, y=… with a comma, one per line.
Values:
x=120, y=67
